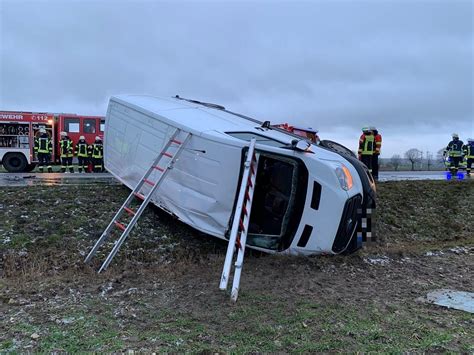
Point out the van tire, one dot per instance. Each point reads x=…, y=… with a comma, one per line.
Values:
x=14, y=162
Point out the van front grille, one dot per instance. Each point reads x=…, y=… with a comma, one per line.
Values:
x=348, y=224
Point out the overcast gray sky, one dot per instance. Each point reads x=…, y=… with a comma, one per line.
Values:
x=404, y=66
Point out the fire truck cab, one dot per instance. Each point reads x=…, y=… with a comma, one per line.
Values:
x=19, y=129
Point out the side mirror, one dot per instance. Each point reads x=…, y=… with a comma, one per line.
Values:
x=301, y=144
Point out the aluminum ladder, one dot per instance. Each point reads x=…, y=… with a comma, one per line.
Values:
x=156, y=173
x=238, y=234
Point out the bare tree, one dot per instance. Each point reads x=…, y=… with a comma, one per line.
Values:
x=414, y=156
x=396, y=160
x=440, y=155
x=429, y=159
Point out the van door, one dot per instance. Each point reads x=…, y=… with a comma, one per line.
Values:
x=280, y=193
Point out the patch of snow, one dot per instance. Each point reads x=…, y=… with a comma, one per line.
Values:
x=382, y=260
x=106, y=289
x=434, y=253
x=460, y=300
x=461, y=250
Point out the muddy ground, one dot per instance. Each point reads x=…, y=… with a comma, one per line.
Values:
x=161, y=292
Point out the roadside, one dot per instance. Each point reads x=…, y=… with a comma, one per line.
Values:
x=161, y=292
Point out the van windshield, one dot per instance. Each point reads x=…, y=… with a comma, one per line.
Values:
x=247, y=136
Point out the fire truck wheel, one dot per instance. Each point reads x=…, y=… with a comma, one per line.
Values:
x=30, y=168
x=14, y=162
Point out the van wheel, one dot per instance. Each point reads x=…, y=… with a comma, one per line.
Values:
x=30, y=168
x=15, y=162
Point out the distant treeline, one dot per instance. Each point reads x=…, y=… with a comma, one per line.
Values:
x=414, y=159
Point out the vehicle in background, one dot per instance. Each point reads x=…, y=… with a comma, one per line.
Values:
x=308, y=132
x=19, y=129
x=312, y=135
x=309, y=200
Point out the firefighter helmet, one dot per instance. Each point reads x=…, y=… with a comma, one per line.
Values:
x=470, y=140
x=63, y=134
x=97, y=138
x=366, y=129
x=455, y=135
x=82, y=138
x=42, y=130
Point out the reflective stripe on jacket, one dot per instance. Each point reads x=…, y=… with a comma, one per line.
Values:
x=454, y=148
x=43, y=145
x=97, y=150
x=66, y=148
x=82, y=149
x=366, y=144
x=468, y=150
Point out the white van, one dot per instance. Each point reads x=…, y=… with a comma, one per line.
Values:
x=305, y=202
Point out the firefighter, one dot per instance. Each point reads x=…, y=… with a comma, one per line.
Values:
x=468, y=150
x=454, y=152
x=82, y=151
x=375, y=156
x=97, y=155
x=43, y=148
x=366, y=147
x=67, y=152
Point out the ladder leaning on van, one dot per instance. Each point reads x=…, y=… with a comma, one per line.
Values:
x=153, y=177
x=240, y=224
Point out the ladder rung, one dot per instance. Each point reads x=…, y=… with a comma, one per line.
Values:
x=241, y=225
x=237, y=242
x=129, y=210
x=166, y=154
x=252, y=170
x=176, y=141
x=249, y=182
x=247, y=195
x=139, y=195
x=151, y=183
x=120, y=225
x=158, y=168
x=244, y=210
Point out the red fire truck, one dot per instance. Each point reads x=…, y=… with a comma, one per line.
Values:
x=309, y=133
x=18, y=131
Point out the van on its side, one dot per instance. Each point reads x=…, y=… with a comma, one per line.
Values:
x=305, y=202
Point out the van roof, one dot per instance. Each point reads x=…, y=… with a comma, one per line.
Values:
x=197, y=117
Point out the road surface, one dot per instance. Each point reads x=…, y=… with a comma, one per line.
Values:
x=30, y=179
x=49, y=179
x=417, y=175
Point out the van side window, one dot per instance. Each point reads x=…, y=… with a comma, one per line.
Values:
x=89, y=125
x=71, y=125
x=102, y=125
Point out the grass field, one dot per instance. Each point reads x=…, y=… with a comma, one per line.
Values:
x=161, y=292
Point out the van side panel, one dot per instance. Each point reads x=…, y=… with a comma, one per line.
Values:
x=200, y=189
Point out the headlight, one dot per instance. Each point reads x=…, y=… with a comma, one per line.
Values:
x=344, y=176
